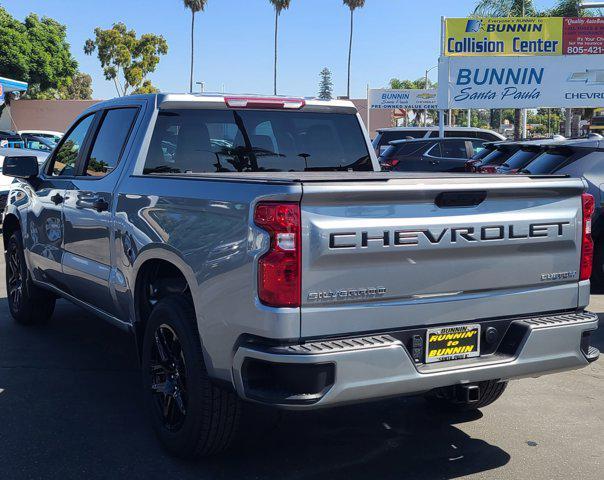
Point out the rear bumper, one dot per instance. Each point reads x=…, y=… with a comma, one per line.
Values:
x=328, y=373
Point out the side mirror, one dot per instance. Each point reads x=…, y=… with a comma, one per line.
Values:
x=20, y=167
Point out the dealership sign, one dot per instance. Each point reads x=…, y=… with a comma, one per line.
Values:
x=403, y=99
x=523, y=36
x=522, y=82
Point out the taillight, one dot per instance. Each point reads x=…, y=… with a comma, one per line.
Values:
x=279, y=270
x=488, y=169
x=265, y=102
x=587, y=243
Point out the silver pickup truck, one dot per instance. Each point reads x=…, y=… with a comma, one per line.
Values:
x=257, y=255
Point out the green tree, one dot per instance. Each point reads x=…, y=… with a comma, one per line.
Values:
x=570, y=8
x=125, y=57
x=505, y=8
x=419, y=84
x=195, y=6
x=78, y=87
x=279, y=6
x=35, y=51
x=326, y=85
x=146, y=87
x=352, y=5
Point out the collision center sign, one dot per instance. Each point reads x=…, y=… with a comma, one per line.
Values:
x=403, y=99
x=522, y=82
x=522, y=36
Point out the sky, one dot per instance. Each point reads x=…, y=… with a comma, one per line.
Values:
x=234, y=41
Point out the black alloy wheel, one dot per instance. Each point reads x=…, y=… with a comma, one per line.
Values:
x=169, y=378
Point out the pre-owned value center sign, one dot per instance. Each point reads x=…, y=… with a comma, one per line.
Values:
x=403, y=99
x=522, y=36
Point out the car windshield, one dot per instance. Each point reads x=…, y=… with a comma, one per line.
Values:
x=547, y=162
x=200, y=141
x=520, y=159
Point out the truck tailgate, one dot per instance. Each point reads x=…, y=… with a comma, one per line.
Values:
x=409, y=252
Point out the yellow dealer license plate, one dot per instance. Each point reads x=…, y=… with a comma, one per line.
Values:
x=452, y=343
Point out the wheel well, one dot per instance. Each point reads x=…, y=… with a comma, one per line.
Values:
x=9, y=226
x=155, y=280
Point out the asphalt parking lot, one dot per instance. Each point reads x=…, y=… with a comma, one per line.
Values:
x=70, y=402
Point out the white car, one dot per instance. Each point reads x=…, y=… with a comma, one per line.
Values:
x=50, y=134
x=5, y=181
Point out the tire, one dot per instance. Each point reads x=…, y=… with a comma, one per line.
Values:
x=28, y=304
x=447, y=398
x=192, y=416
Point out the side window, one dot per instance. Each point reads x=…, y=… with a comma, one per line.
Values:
x=478, y=146
x=459, y=134
x=454, y=149
x=110, y=141
x=434, y=151
x=66, y=156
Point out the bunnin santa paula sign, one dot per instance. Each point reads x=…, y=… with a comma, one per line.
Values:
x=403, y=99
x=522, y=82
x=522, y=36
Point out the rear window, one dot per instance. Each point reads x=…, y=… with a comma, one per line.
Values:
x=388, y=137
x=406, y=149
x=209, y=141
x=520, y=159
x=497, y=157
x=459, y=134
x=488, y=136
x=547, y=162
x=480, y=154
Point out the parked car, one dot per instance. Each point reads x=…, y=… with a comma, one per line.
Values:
x=264, y=260
x=386, y=135
x=5, y=181
x=527, y=152
x=478, y=157
x=431, y=155
x=34, y=142
x=10, y=139
x=51, y=135
x=490, y=163
x=582, y=159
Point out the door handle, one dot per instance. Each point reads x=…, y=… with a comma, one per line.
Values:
x=100, y=205
x=57, y=199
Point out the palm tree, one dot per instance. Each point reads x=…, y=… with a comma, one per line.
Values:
x=195, y=6
x=570, y=8
x=505, y=8
x=352, y=5
x=279, y=6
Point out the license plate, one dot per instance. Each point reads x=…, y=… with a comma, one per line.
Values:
x=452, y=343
